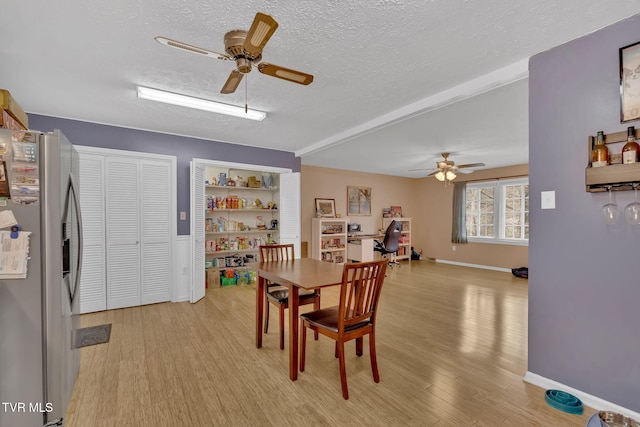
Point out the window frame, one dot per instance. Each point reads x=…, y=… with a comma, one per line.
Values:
x=499, y=211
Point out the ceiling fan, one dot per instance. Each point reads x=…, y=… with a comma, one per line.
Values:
x=446, y=169
x=245, y=48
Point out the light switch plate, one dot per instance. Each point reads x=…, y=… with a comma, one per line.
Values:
x=548, y=200
x=183, y=216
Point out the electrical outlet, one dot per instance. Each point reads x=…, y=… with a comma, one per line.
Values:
x=453, y=247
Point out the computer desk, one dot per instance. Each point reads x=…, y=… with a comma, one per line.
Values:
x=360, y=247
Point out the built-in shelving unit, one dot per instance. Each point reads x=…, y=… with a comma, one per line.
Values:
x=238, y=219
x=329, y=239
x=612, y=177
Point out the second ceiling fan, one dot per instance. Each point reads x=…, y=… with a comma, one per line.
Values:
x=446, y=169
x=245, y=48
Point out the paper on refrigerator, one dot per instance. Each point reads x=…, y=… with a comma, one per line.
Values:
x=7, y=219
x=14, y=254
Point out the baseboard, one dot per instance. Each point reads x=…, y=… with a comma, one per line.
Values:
x=464, y=264
x=587, y=399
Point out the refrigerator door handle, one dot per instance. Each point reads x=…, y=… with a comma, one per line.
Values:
x=76, y=204
x=72, y=193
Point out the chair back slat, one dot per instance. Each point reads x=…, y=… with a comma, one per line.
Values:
x=360, y=292
x=276, y=252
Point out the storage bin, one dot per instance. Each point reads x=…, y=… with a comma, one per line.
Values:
x=242, y=274
x=228, y=281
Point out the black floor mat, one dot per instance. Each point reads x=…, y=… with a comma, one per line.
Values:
x=92, y=335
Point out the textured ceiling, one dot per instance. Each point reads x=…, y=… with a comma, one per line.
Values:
x=394, y=79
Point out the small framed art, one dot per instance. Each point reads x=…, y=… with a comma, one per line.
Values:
x=326, y=208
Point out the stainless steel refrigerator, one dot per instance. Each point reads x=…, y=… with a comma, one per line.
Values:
x=39, y=307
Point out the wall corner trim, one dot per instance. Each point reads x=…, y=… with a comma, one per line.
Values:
x=587, y=399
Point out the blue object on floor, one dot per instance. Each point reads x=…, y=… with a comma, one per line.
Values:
x=563, y=401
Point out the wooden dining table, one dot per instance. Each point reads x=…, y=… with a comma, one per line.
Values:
x=304, y=273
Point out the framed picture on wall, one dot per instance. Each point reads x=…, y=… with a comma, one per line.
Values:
x=630, y=82
x=358, y=201
x=326, y=208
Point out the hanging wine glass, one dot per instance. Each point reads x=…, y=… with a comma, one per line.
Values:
x=632, y=211
x=610, y=211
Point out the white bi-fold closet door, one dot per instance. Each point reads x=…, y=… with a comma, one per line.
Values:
x=129, y=202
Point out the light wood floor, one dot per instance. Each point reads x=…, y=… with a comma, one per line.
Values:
x=452, y=350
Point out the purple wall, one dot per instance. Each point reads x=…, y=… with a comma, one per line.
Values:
x=184, y=149
x=584, y=286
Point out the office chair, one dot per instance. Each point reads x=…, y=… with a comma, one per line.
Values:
x=279, y=295
x=353, y=318
x=391, y=242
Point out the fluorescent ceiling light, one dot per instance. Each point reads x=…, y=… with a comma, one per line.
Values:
x=198, y=103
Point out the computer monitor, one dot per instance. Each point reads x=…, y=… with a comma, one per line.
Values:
x=354, y=228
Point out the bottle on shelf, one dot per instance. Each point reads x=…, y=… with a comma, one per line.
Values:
x=631, y=148
x=600, y=152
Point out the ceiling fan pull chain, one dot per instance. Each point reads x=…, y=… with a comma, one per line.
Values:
x=246, y=95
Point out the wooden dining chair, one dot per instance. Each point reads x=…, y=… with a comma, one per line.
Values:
x=279, y=295
x=353, y=318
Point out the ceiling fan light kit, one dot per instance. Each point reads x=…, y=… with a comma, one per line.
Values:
x=446, y=169
x=449, y=176
x=199, y=103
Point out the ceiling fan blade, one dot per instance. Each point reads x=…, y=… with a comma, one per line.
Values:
x=471, y=165
x=261, y=30
x=424, y=169
x=190, y=48
x=434, y=172
x=285, y=73
x=232, y=82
